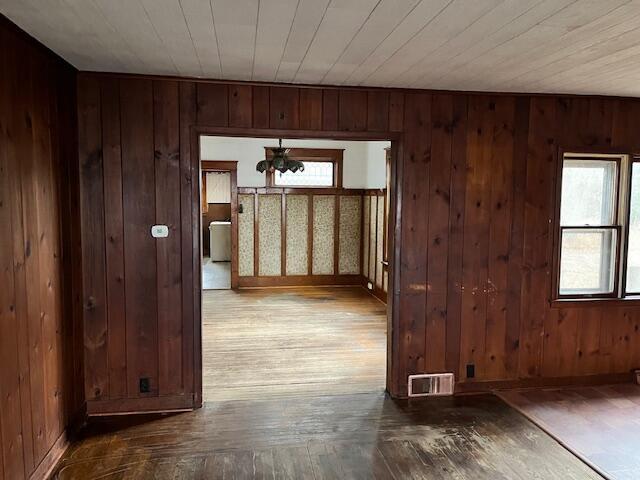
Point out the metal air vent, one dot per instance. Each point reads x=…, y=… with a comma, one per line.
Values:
x=431, y=384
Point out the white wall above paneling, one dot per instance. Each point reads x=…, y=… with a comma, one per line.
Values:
x=364, y=163
x=553, y=46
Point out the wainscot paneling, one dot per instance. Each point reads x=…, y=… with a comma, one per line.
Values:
x=374, y=221
x=40, y=320
x=476, y=179
x=304, y=236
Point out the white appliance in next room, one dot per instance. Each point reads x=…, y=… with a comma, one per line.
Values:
x=220, y=241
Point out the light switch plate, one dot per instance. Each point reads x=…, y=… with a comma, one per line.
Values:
x=159, y=231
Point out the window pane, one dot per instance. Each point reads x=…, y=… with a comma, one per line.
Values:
x=587, y=261
x=588, y=192
x=316, y=174
x=633, y=256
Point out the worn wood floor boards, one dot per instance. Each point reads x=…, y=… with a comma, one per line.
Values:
x=265, y=343
x=600, y=424
x=301, y=353
x=335, y=437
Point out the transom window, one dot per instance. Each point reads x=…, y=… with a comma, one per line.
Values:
x=599, y=228
x=315, y=174
x=322, y=169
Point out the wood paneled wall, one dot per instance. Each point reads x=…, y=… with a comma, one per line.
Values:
x=40, y=323
x=136, y=172
x=475, y=175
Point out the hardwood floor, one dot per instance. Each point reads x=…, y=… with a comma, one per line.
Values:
x=600, y=424
x=359, y=436
x=283, y=371
x=266, y=343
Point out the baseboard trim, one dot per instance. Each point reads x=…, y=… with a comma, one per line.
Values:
x=525, y=383
x=46, y=467
x=300, y=281
x=126, y=406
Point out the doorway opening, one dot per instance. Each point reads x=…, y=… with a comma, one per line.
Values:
x=219, y=198
x=305, y=314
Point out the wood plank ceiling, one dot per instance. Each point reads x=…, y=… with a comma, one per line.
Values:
x=554, y=46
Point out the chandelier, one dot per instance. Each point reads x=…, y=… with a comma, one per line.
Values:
x=279, y=161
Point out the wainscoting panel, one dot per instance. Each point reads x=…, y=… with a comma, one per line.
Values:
x=373, y=230
x=350, y=235
x=246, y=221
x=379, y=241
x=297, y=237
x=269, y=235
x=366, y=225
x=324, y=209
x=374, y=241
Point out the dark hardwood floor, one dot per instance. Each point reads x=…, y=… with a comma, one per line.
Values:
x=334, y=437
x=600, y=424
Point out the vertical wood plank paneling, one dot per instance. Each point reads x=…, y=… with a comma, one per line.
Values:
x=37, y=93
x=213, y=104
x=330, y=110
x=166, y=131
x=114, y=230
x=413, y=262
x=501, y=212
x=514, y=276
x=541, y=168
x=188, y=189
x=11, y=438
x=240, y=106
x=625, y=117
x=138, y=188
x=456, y=232
x=480, y=128
x=93, y=253
x=438, y=232
x=457, y=194
x=378, y=111
x=48, y=237
x=31, y=182
x=284, y=107
x=310, y=109
x=19, y=146
x=352, y=110
x=396, y=111
x=260, y=107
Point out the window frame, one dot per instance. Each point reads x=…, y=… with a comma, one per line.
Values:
x=624, y=164
x=333, y=155
x=633, y=160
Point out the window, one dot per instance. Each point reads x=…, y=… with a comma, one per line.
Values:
x=322, y=169
x=599, y=228
x=633, y=244
x=315, y=174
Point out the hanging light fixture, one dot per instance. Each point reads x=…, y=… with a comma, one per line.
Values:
x=279, y=161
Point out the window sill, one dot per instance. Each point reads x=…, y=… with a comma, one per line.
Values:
x=596, y=302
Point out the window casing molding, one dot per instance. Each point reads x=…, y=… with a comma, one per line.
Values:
x=619, y=224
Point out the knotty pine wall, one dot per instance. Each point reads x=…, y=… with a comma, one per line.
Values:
x=476, y=177
x=40, y=322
